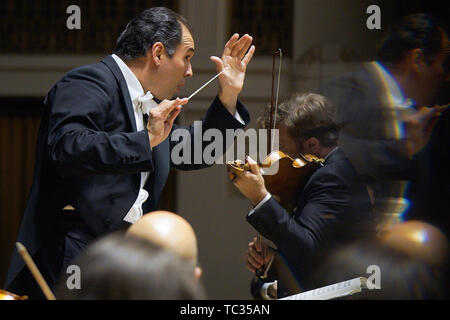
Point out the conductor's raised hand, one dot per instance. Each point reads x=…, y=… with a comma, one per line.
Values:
x=237, y=53
x=161, y=118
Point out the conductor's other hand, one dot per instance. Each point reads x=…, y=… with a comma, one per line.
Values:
x=161, y=118
x=236, y=55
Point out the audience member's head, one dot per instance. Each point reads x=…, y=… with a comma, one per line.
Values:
x=410, y=258
x=118, y=267
x=169, y=231
x=419, y=240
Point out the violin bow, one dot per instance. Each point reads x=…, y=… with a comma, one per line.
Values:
x=35, y=271
x=273, y=121
x=273, y=113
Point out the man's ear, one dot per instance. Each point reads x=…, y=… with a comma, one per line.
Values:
x=198, y=273
x=311, y=146
x=156, y=53
x=417, y=59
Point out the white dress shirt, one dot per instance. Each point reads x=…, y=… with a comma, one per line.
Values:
x=400, y=106
x=141, y=104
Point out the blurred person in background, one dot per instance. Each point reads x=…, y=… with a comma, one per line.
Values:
x=412, y=258
x=386, y=114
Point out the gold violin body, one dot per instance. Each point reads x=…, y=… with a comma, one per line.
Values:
x=283, y=175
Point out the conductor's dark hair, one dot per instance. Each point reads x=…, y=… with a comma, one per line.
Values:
x=153, y=25
x=129, y=268
x=415, y=31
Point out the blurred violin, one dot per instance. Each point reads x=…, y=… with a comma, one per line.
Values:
x=5, y=295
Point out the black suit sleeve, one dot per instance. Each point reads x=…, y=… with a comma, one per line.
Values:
x=78, y=143
x=191, y=148
x=327, y=199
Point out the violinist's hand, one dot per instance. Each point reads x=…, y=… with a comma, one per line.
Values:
x=258, y=255
x=251, y=183
x=235, y=58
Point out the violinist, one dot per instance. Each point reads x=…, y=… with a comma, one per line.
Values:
x=333, y=206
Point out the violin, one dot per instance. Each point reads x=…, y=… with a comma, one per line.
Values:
x=5, y=295
x=283, y=175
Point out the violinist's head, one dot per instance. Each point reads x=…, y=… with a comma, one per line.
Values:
x=170, y=231
x=306, y=124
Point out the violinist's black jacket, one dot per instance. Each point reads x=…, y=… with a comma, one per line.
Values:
x=332, y=209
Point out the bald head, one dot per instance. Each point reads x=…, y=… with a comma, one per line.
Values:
x=168, y=230
x=419, y=240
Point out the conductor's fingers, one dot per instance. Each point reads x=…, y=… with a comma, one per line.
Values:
x=166, y=106
x=174, y=115
x=229, y=45
x=249, y=55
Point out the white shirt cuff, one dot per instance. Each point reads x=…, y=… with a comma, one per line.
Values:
x=266, y=198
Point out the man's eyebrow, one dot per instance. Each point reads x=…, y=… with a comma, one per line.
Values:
x=191, y=49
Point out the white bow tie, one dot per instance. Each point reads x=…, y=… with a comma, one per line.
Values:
x=146, y=102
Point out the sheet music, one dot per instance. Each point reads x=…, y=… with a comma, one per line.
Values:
x=333, y=291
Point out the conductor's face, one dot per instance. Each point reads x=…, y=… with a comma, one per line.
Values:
x=174, y=70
